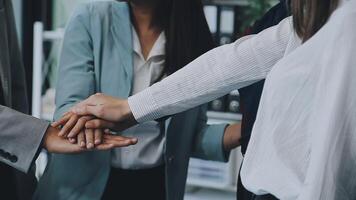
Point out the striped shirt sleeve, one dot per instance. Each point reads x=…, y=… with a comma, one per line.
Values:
x=214, y=74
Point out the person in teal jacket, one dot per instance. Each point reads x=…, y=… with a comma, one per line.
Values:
x=120, y=48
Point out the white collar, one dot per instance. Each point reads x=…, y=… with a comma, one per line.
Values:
x=158, y=48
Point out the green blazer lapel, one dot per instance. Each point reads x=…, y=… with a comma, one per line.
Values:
x=123, y=35
x=4, y=56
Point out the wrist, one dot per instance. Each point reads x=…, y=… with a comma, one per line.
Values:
x=232, y=137
x=126, y=111
x=47, y=138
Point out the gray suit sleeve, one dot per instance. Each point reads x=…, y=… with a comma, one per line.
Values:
x=20, y=138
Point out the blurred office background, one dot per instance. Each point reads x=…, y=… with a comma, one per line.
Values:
x=40, y=25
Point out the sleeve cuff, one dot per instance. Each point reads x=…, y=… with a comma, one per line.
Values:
x=39, y=132
x=214, y=143
x=143, y=106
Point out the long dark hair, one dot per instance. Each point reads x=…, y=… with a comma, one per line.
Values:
x=187, y=31
x=310, y=15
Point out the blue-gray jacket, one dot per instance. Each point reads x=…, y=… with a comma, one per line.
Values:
x=97, y=56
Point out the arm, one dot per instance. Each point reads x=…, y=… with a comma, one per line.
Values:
x=210, y=76
x=76, y=78
x=20, y=138
x=214, y=74
x=23, y=136
x=214, y=142
x=76, y=81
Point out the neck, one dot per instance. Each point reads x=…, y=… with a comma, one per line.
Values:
x=143, y=18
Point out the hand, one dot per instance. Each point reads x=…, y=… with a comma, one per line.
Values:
x=108, y=109
x=104, y=107
x=71, y=125
x=89, y=138
x=232, y=137
x=55, y=144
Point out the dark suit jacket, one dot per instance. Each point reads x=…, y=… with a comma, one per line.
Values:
x=250, y=96
x=20, y=135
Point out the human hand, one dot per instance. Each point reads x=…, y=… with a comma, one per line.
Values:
x=232, y=137
x=73, y=127
x=107, y=109
x=91, y=138
x=56, y=144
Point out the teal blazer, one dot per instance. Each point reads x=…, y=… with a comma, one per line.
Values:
x=97, y=56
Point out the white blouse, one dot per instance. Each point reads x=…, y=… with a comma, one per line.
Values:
x=303, y=144
x=148, y=153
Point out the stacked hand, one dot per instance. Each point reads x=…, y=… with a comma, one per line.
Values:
x=89, y=124
x=73, y=128
x=96, y=116
x=56, y=144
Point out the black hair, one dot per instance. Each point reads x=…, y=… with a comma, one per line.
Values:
x=186, y=29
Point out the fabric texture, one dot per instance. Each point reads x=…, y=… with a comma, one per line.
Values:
x=303, y=142
x=220, y=70
x=149, y=151
x=250, y=96
x=136, y=184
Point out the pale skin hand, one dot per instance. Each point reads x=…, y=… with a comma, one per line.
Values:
x=112, y=113
x=73, y=128
x=56, y=144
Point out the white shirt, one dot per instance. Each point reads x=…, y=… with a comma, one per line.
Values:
x=148, y=152
x=303, y=144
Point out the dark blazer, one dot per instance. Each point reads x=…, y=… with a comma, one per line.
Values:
x=250, y=96
x=19, y=142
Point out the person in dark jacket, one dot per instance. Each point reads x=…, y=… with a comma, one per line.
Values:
x=250, y=96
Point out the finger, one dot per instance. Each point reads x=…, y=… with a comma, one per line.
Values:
x=68, y=126
x=72, y=140
x=103, y=147
x=111, y=141
x=98, y=134
x=80, y=125
x=89, y=138
x=63, y=120
x=110, y=144
x=107, y=131
x=119, y=138
x=99, y=124
x=81, y=139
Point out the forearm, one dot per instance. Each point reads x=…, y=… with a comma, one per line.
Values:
x=20, y=138
x=212, y=75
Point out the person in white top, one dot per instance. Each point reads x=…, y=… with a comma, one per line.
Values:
x=303, y=144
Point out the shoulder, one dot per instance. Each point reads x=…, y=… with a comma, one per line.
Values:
x=100, y=9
